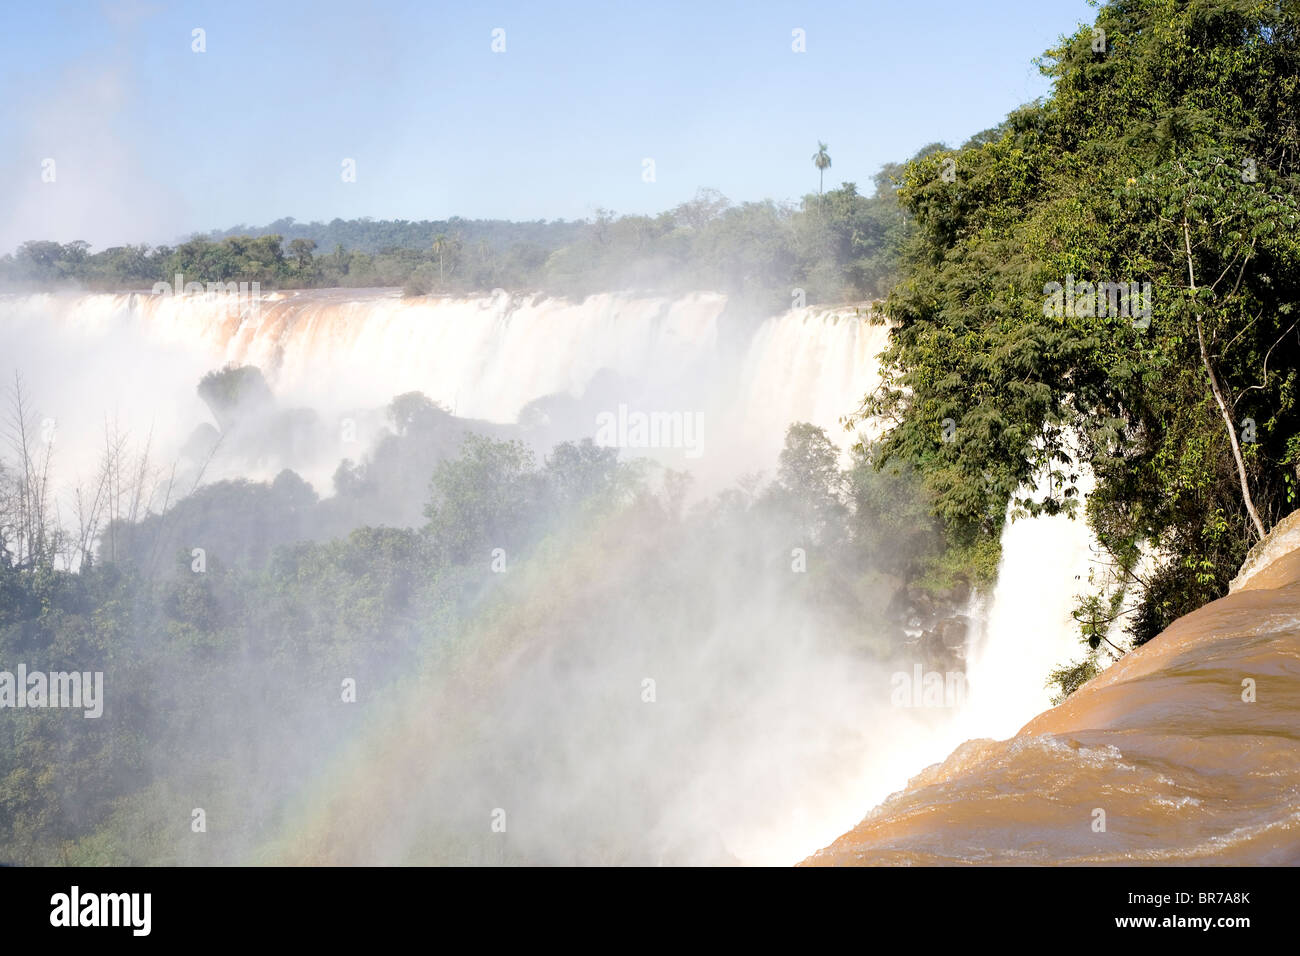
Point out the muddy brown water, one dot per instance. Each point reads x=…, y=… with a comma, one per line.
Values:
x=1164, y=748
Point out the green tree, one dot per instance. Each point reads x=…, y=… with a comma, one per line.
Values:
x=482, y=500
x=301, y=250
x=822, y=160
x=1168, y=159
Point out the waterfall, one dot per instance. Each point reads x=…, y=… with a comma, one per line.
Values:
x=808, y=365
x=1026, y=628
x=340, y=351
x=138, y=357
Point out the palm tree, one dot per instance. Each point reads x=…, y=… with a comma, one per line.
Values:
x=822, y=160
x=440, y=247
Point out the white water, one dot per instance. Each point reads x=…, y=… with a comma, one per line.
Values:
x=1027, y=628
x=138, y=358
x=343, y=351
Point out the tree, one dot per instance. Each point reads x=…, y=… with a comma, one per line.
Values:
x=301, y=250
x=483, y=499
x=1166, y=160
x=1221, y=223
x=809, y=481
x=415, y=412
x=447, y=249
x=234, y=392
x=576, y=473
x=822, y=160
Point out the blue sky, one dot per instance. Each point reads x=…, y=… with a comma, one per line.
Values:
x=152, y=141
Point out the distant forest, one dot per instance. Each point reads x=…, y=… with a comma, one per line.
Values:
x=836, y=246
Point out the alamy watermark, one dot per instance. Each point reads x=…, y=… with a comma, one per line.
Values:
x=634, y=429
x=37, y=689
x=247, y=295
x=129, y=910
x=1128, y=300
x=923, y=688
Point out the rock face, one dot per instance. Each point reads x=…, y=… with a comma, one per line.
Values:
x=1272, y=560
x=930, y=627
x=1186, y=751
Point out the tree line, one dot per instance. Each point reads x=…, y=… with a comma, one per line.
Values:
x=834, y=246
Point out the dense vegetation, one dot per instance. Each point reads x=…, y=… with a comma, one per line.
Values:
x=837, y=246
x=1166, y=154
x=225, y=622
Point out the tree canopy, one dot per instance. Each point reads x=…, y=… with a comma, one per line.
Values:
x=1106, y=283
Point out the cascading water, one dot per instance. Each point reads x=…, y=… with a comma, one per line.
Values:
x=1188, y=767
x=1027, y=628
x=338, y=351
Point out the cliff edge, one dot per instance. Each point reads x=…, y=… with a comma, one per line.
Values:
x=1186, y=751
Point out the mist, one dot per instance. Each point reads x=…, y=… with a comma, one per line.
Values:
x=411, y=583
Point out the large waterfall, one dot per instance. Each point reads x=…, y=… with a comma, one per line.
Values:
x=136, y=358
x=485, y=358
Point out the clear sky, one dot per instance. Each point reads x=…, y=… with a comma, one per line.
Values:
x=152, y=141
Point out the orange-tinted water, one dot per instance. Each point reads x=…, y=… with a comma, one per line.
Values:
x=1184, y=769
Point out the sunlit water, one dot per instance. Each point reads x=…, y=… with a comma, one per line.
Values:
x=818, y=743
x=1163, y=759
